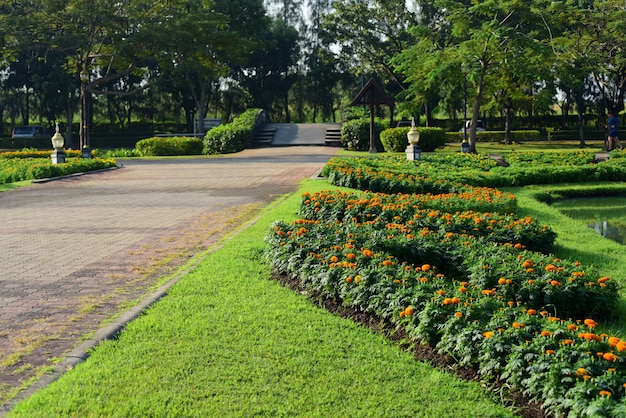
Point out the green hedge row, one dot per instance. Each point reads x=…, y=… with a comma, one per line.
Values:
x=162, y=146
x=395, y=139
x=497, y=136
x=231, y=137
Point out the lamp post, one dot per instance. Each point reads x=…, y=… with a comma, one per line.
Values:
x=84, y=125
x=465, y=144
x=413, y=151
x=58, y=155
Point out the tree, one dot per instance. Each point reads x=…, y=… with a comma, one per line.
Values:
x=368, y=34
x=481, y=36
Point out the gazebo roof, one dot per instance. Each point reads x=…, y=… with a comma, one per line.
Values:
x=371, y=94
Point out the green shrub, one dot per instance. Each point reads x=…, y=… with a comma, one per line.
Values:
x=395, y=139
x=496, y=136
x=160, y=146
x=355, y=134
x=231, y=137
x=19, y=169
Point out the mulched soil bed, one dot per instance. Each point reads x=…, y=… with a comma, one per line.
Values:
x=523, y=406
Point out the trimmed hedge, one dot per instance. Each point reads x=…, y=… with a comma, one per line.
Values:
x=231, y=137
x=395, y=139
x=496, y=136
x=355, y=134
x=178, y=145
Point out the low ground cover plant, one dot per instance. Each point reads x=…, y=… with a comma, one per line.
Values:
x=31, y=165
x=448, y=172
x=482, y=287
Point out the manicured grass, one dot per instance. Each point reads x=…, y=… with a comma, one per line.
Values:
x=499, y=148
x=577, y=242
x=227, y=341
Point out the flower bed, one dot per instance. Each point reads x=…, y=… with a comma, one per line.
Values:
x=451, y=172
x=16, y=168
x=478, y=285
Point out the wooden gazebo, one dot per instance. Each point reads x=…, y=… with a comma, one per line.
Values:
x=371, y=95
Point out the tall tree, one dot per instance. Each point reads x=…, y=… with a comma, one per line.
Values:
x=369, y=33
x=479, y=36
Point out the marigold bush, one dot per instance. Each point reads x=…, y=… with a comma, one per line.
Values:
x=480, y=285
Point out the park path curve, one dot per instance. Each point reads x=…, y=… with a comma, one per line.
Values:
x=76, y=250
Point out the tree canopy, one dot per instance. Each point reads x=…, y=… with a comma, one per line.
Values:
x=303, y=60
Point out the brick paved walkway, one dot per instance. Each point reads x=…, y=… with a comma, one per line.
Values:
x=77, y=251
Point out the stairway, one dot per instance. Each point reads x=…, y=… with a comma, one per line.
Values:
x=264, y=136
x=333, y=137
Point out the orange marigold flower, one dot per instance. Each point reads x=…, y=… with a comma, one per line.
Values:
x=609, y=357
x=555, y=283
x=551, y=267
x=549, y=351
x=387, y=263
x=501, y=280
x=582, y=372
x=590, y=336
x=621, y=346
x=527, y=263
x=458, y=314
x=351, y=256
x=531, y=281
x=518, y=325
x=613, y=341
x=604, y=279
x=462, y=289
x=546, y=333
x=426, y=267
x=488, y=334
x=518, y=246
x=590, y=323
x=568, y=341
x=441, y=292
x=409, y=310
x=605, y=393
x=578, y=273
x=531, y=312
x=348, y=279
x=572, y=327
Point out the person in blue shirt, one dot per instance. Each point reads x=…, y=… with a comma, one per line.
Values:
x=613, y=124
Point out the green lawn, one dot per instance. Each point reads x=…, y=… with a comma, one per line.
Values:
x=228, y=341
